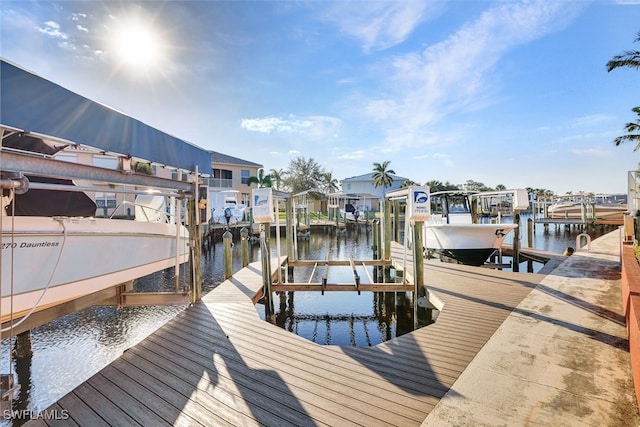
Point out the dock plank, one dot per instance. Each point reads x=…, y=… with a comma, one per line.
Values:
x=218, y=363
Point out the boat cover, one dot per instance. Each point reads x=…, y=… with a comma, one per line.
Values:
x=33, y=104
x=38, y=202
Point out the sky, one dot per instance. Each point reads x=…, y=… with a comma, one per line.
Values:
x=499, y=92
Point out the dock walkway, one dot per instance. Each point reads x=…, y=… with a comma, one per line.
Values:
x=218, y=363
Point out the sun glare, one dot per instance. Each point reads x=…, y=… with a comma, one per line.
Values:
x=137, y=45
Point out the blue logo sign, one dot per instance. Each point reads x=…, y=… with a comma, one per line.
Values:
x=420, y=197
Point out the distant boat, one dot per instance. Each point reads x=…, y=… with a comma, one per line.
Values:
x=589, y=206
x=226, y=204
x=451, y=233
x=54, y=250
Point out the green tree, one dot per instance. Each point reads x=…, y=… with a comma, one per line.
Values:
x=500, y=187
x=329, y=183
x=409, y=183
x=629, y=59
x=633, y=131
x=303, y=175
x=144, y=168
x=472, y=185
x=381, y=175
x=261, y=179
x=277, y=175
x=436, y=185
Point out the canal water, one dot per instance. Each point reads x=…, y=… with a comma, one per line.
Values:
x=68, y=351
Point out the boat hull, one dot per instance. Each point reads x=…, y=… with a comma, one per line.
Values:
x=47, y=261
x=470, y=244
x=576, y=212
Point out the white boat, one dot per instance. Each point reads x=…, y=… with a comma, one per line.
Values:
x=589, y=206
x=50, y=259
x=451, y=233
x=225, y=204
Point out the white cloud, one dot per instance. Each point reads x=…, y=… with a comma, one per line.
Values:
x=591, y=120
x=314, y=128
x=353, y=155
x=378, y=25
x=593, y=152
x=52, y=29
x=459, y=73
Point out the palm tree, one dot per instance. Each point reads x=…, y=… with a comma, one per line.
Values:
x=633, y=131
x=631, y=59
x=277, y=176
x=329, y=183
x=261, y=180
x=382, y=175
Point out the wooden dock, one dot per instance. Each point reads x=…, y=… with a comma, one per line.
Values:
x=579, y=221
x=217, y=363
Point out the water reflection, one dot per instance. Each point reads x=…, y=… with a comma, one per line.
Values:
x=68, y=351
x=346, y=318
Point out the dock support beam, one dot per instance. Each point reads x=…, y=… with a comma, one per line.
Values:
x=386, y=237
x=290, y=234
x=195, y=251
x=228, y=261
x=516, y=242
x=418, y=270
x=266, y=270
x=244, y=242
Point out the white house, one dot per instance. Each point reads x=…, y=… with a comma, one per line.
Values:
x=363, y=187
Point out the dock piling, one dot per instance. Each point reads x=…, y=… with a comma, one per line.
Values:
x=228, y=262
x=244, y=241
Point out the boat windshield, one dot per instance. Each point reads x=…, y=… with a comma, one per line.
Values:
x=454, y=203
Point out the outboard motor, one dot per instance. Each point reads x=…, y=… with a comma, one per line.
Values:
x=227, y=215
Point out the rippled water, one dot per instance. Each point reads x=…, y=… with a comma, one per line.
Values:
x=68, y=351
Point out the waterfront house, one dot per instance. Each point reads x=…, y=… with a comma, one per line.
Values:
x=231, y=174
x=362, y=186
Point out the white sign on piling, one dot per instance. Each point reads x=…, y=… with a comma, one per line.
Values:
x=262, y=205
x=419, y=204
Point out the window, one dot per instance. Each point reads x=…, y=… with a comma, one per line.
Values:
x=105, y=202
x=106, y=162
x=245, y=175
x=67, y=157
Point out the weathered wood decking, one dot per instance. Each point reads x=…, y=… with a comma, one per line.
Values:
x=218, y=363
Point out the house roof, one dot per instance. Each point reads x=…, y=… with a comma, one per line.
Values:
x=369, y=177
x=225, y=159
x=37, y=108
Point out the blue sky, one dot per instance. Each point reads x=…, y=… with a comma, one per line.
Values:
x=512, y=93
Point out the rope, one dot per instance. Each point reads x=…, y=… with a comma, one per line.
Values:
x=44, y=291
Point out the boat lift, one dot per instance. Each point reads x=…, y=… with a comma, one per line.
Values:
x=417, y=213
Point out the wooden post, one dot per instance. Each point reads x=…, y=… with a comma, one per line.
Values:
x=22, y=346
x=266, y=271
x=516, y=242
x=386, y=231
x=195, y=251
x=530, y=233
x=228, y=262
x=474, y=210
x=291, y=256
x=244, y=241
x=386, y=235
x=375, y=225
x=396, y=221
x=418, y=270
x=418, y=257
